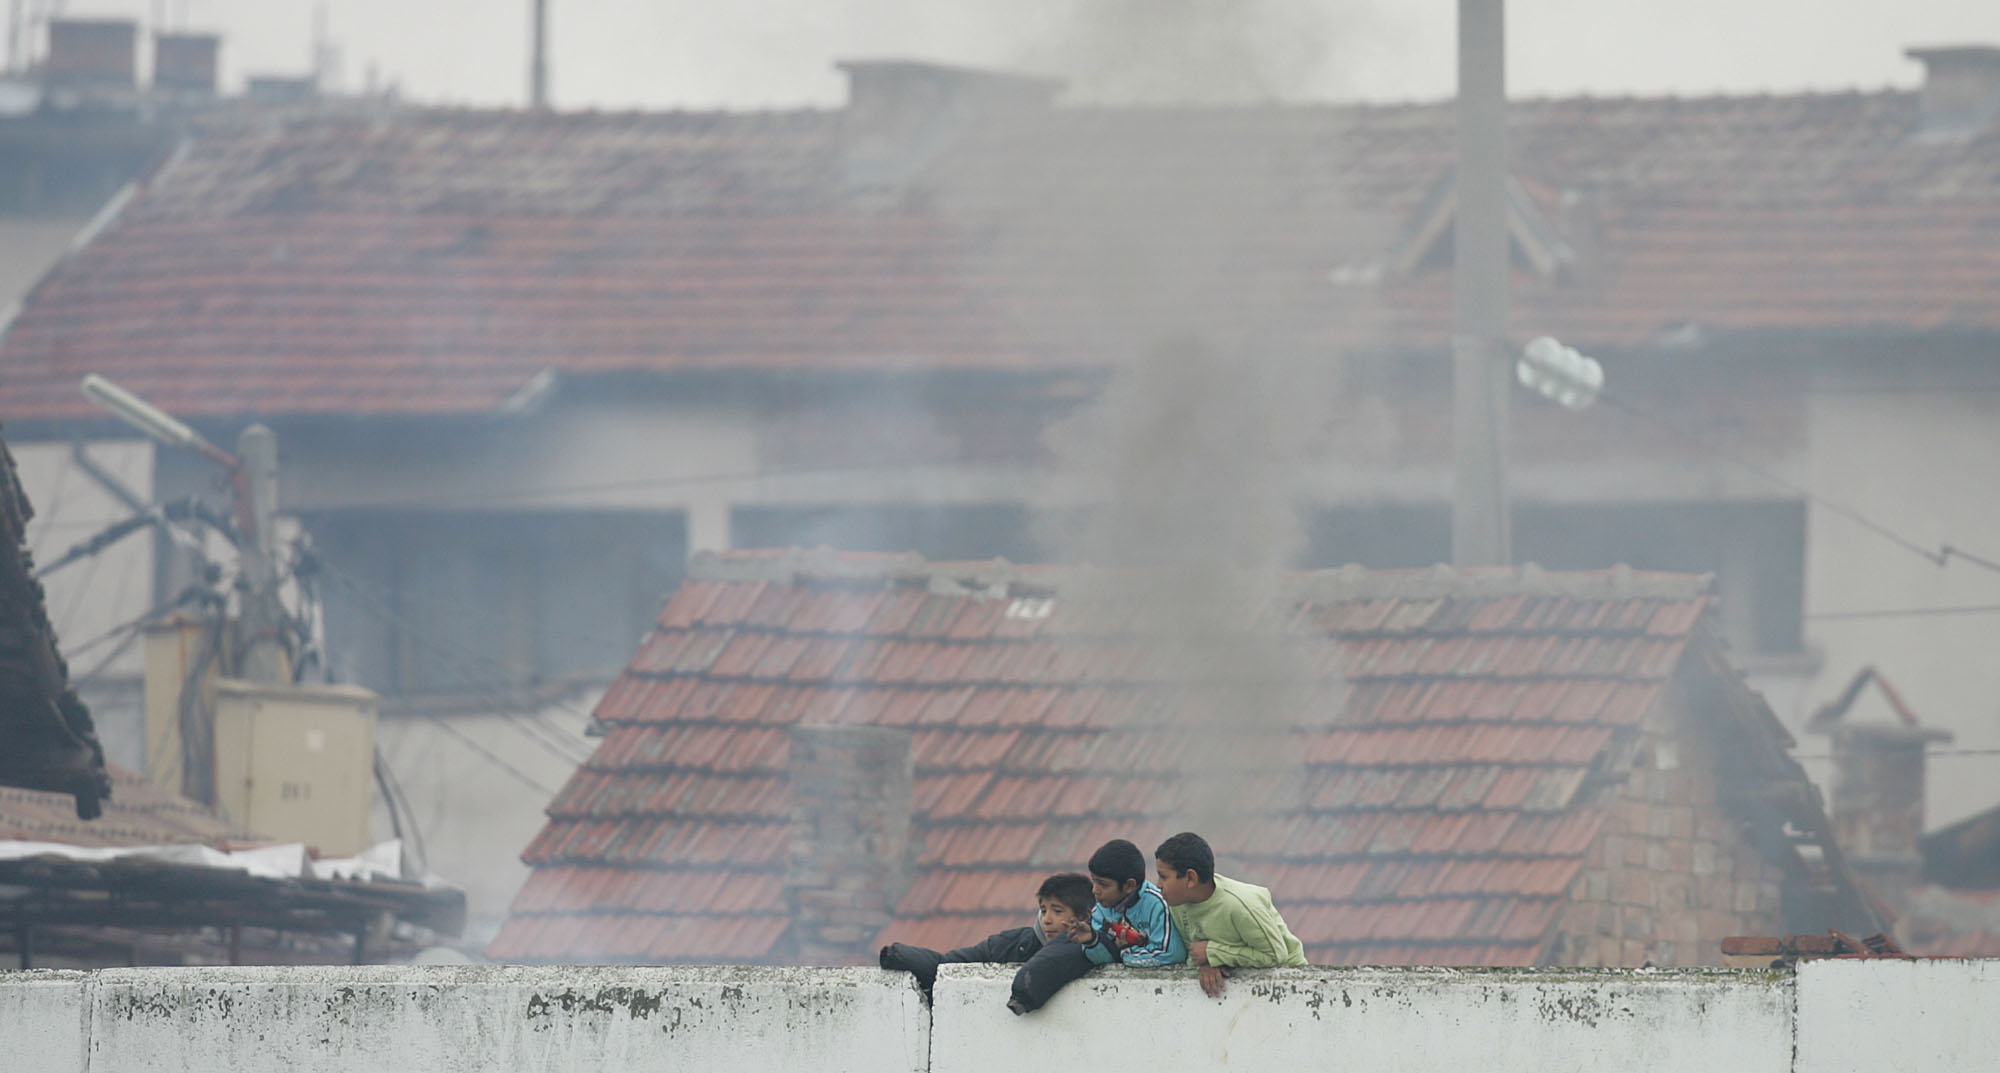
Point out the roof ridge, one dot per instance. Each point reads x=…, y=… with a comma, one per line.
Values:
x=997, y=578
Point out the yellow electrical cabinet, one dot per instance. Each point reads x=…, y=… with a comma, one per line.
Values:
x=297, y=763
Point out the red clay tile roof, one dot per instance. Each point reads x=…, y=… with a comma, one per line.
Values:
x=1439, y=818
x=1946, y=922
x=429, y=262
x=137, y=814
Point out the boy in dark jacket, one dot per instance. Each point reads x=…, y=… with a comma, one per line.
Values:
x=1129, y=924
x=1064, y=900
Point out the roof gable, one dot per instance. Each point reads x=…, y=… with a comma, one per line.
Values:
x=1442, y=780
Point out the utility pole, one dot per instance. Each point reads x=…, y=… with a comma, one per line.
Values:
x=538, y=63
x=1481, y=362
x=17, y=32
x=260, y=643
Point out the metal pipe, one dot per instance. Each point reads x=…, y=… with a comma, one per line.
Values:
x=538, y=63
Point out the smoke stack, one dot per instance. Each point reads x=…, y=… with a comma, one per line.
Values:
x=93, y=54
x=902, y=113
x=185, y=63
x=1961, y=93
x=850, y=837
x=1878, y=785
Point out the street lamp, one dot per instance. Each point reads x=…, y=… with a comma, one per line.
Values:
x=253, y=475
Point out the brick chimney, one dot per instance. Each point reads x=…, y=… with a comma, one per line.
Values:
x=1878, y=785
x=92, y=54
x=850, y=838
x=185, y=63
x=1961, y=94
x=902, y=113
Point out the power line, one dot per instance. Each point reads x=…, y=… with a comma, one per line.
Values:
x=526, y=779
x=53, y=507
x=511, y=711
x=380, y=604
x=1941, y=556
x=1928, y=753
x=1903, y=389
x=129, y=626
x=681, y=481
x=1907, y=612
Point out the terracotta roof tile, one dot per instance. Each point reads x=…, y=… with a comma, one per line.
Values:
x=138, y=813
x=1438, y=815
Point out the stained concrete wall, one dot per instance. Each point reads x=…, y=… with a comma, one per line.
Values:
x=1379, y=1020
x=1893, y=1016
x=453, y=1019
x=1831, y=1017
x=42, y=1020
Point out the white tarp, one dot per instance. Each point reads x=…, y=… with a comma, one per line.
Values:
x=287, y=861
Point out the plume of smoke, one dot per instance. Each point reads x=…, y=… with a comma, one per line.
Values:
x=1208, y=51
x=1150, y=234
x=1193, y=459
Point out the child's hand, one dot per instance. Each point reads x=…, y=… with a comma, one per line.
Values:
x=1079, y=932
x=1211, y=980
x=1198, y=953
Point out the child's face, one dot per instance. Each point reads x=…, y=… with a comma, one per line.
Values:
x=1057, y=917
x=1110, y=891
x=1178, y=889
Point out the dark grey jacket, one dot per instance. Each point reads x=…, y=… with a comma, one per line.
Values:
x=1009, y=947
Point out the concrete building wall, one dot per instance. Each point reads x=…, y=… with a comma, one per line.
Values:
x=1922, y=461
x=476, y=785
x=1829, y=1017
x=28, y=246
x=89, y=599
x=1671, y=874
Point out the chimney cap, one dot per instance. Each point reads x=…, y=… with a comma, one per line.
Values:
x=1891, y=734
x=979, y=77
x=1954, y=53
x=1961, y=92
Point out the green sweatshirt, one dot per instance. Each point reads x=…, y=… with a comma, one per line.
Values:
x=1241, y=927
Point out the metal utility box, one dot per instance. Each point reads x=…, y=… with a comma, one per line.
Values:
x=297, y=762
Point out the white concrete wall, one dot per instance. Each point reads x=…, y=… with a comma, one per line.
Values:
x=1379, y=1020
x=1829, y=1017
x=1895, y=1016
x=42, y=1020
x=475, y=1020
x=474, y=816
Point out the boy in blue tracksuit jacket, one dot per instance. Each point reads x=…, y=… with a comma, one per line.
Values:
x=1129, y=924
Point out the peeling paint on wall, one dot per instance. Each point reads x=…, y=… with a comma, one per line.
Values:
x=1831, y=1017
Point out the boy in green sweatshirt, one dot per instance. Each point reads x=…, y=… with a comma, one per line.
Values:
x=1227, y=924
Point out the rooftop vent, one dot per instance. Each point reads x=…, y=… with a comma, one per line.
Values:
x=1961, y=94
x=902, y=113
x=185, y=63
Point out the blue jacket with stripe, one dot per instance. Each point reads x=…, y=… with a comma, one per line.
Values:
x=1145, y=909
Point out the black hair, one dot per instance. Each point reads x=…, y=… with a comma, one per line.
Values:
x=1118, y=861
x=1071, y=889
x=1188, y=852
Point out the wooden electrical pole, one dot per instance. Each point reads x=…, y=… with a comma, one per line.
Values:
x=1480, y=359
